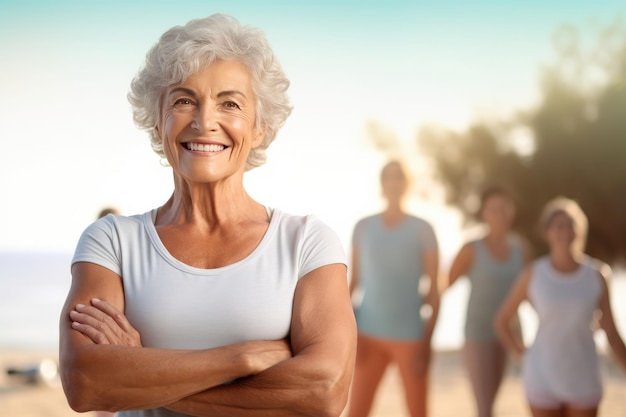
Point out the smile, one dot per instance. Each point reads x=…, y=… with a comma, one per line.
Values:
x=199, y=147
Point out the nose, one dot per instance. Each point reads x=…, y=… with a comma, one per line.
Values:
x=205, y=119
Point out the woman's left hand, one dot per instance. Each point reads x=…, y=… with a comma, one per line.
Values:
x=104, y=324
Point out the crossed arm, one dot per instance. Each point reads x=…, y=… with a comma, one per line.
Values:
x=104, y=365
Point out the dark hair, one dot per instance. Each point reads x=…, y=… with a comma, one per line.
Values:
x=493, y=190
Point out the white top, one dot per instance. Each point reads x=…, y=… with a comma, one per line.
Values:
x=563, y=361
x=177, y=306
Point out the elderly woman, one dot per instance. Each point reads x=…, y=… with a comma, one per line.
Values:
x=212, y=304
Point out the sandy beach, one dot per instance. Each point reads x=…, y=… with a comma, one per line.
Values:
x=450, y=394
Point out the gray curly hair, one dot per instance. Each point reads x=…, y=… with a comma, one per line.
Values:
x=184, y=50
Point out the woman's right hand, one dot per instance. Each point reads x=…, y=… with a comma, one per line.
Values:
x=104, y=324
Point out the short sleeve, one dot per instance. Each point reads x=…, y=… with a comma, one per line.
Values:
x=320, y=246
x=99, y=244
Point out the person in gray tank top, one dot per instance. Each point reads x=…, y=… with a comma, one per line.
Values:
x=491, y=263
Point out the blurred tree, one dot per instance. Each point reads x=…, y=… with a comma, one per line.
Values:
x=573, y=144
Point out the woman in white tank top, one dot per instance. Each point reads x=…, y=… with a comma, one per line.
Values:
x=566, y=288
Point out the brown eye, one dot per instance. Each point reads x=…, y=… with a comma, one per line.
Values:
x=231, y=105
x=183, y=102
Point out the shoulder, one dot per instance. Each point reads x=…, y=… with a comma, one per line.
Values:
x=419, y=221
x=111, y=231
x=296, y=220
x=599, y=269
x=119, y=219
x=420, y=225
x=523, y=246
x=115, y=224
x=465, y=255
x=597, y=265
x=365, y=226
x=367, y=220
x=303, y=225
x=468, y=249
x=309, y=240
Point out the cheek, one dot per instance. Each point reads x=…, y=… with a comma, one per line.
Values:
x=240, y=127
x=168, y=133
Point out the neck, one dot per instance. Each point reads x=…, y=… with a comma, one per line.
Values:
x=393, y=215
x=564, y=260
x=394, y=209
x=497, y=236
x=209, y=204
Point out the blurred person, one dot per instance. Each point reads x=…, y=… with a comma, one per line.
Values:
x=491, y=263
x=109, y=210
x=212, y=304
x=392, y=252
x=568, y=290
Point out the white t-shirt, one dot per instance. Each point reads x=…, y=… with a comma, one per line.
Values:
x=176, y=306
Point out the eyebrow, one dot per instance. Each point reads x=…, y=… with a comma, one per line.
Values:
x=181, y=89
x=231, y=93
x=220, y=94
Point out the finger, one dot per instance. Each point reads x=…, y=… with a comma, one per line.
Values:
x=114, y=313
x=85, y=316
x=117, y=329
x=98, y=320
x=96, y=336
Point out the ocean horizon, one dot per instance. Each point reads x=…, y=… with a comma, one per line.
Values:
x=34, y=285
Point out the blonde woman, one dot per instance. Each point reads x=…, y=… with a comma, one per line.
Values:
x=567, y=289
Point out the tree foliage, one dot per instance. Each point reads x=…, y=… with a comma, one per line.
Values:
x=573, y=143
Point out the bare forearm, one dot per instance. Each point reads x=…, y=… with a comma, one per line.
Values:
x=302, y=386
x=511, y=341
x=107, y=377
x=432, y=320
x=617, y=346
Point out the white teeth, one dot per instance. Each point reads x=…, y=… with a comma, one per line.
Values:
x=204, y=148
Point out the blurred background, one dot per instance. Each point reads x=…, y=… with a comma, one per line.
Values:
x=531, y=94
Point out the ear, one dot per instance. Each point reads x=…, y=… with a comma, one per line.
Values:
x=157, y=132
x=259, y=136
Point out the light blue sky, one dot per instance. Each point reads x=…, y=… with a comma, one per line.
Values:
x=69, y=146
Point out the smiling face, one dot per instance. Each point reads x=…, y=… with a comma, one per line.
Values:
x=207, y=123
